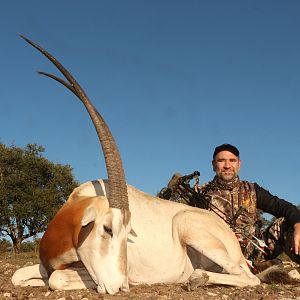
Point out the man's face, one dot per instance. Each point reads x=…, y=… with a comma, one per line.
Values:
x=226, y=165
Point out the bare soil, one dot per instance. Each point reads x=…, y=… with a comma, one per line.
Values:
x=9, y=263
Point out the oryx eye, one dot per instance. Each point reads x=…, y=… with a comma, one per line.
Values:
x=108, y=230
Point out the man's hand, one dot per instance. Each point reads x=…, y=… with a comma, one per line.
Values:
x=297, y=238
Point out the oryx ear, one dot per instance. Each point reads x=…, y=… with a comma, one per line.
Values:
x=89, y=215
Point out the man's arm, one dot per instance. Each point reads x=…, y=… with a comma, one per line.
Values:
x=280, y=208
x=297, y=238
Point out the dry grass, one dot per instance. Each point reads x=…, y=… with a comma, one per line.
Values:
x=9, y=263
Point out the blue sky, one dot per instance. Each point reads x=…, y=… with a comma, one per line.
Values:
x=173, y=79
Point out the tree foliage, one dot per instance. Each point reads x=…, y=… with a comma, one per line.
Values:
x=5, y=246
x=32, y=189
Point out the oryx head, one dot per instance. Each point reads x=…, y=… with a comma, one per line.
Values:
x=105, y=221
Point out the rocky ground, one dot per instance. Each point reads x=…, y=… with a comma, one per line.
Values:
x=9, y=263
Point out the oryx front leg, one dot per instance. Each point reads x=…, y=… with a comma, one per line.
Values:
x=71, y=279
x=35, y=275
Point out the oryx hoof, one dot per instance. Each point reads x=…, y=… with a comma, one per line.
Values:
x=194, y=283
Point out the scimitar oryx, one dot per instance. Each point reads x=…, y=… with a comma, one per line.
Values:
x=109, y=235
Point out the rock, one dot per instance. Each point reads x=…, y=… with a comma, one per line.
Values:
x=289, y=264
x=281, y=292
x=47, y=294
x=211, y=294
x=294, y=274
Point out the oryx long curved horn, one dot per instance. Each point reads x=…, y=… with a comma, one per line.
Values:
x=117, y=197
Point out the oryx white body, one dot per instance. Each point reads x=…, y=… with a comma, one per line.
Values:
x=172, y=243
x=123, y=236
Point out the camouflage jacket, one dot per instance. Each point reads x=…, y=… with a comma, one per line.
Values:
x=236, y=203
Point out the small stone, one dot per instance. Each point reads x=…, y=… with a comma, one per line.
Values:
x=294, y=274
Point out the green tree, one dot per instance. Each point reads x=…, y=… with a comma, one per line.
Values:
x=32, y=189
x=5, y=246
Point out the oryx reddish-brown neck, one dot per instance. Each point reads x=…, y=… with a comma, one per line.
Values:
x=65, y=228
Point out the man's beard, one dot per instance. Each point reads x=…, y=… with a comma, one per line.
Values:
x=227, y=177
x=226, y=184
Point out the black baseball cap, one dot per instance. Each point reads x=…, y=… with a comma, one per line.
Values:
x=226, y=147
